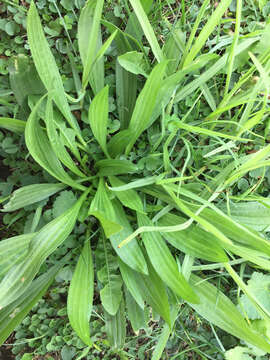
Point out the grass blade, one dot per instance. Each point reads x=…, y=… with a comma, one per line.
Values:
x=206, y=31
x=147, y=29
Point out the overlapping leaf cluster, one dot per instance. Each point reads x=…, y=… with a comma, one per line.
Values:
x=169, y=211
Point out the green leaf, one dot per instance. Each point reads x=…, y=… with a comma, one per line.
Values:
x=200, y=244
x=80, y=295
x=102, y=208
x=133, y=62
x=208, y=74
x=24, y=81
x=135, y=313
x=98, y=117
x=219, y=310
x=258, y=285
x=238, y=353
x=31, y=194
x=89, y=38
x=164, y=263
x=236, y=231
x=13, y=250
x=131, y=254
x=115, y=327
x=63, y=202
x=14, y=125
x=46, y=65
x=208, y=28
x=45, y=242
x=147, y=29
x=12, y=315
x=149, y=287
x=253, y=214
x=126, y=92
x=145, y=104
x=39, y=147
x=128, y=198
x=111, y=293
x=136, y=184
x=57, y=142
x=132, y=280
x=119, y=142
x=110, y=167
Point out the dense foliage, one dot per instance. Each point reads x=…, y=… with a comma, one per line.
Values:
x=152, y=199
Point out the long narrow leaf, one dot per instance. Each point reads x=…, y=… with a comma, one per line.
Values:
x=46, y=65
x=19, y=278
x=164, y=263
x=80, y=295
x=12, y=315
x=14, y=125
x=145, y=104
x=31, y=194
x=98, y=117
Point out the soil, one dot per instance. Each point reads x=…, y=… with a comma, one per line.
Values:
x=4, y=170
x=6, y=354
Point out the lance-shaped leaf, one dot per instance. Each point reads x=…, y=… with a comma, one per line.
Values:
x=254, y=214
x=164, y=263
x=14, y=125
x=39, y=147
x=57, y=142
x=80, y=295
x=131, y=254
x=135, y=313
x=98, y=117
x=128, y=198
x=90, y=39
x=219, y=310
x=13, y=250
x=31, y=194
x=115, y=167
x=12, y=315
x=115, y=326
x=149, y=287
x=145, y=104
x=46, y=65
x=193, y=241
x=132, y=279
x=111, y=293
x=101, y=207
x=45, y=242
x=241, y=234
